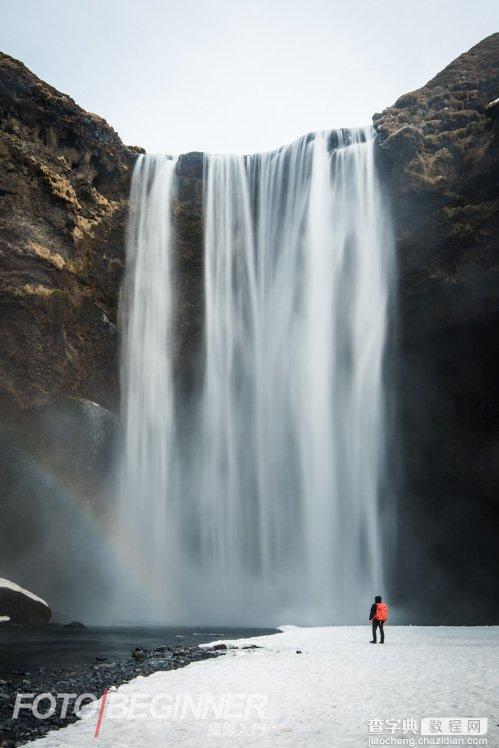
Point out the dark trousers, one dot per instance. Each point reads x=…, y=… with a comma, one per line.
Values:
x=375, y=626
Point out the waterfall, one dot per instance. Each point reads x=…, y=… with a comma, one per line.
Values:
x=268, y=510
x=144, y=521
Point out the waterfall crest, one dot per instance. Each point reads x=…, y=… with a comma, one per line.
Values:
x=270, y=510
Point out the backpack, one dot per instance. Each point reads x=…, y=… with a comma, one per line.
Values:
x=381, y=612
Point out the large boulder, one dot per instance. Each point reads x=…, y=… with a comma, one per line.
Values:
x=21, y=607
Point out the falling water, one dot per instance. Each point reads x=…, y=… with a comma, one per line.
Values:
x=270, y=510
x=144, y=525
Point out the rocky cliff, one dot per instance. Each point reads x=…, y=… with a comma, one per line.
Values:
x=439, y=159
x=64, y=177
x=64, y=182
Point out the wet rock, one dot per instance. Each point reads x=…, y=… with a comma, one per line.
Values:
x=21, y=606
x=83, y=679
x=74, y=625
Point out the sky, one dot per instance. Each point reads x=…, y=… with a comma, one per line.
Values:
x=238, y=75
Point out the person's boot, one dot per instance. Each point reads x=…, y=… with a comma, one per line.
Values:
x=373, y=641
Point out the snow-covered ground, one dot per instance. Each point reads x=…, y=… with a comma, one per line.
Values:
x=340, y=691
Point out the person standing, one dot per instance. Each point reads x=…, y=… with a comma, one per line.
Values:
x=378, y=616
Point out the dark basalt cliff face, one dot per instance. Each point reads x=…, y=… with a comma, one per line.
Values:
x=64, y=183
x=439, y=160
